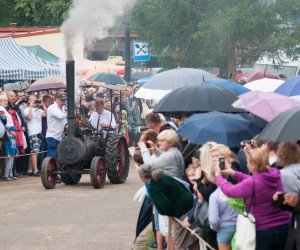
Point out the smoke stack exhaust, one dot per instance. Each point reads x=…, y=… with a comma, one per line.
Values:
x=70, y=73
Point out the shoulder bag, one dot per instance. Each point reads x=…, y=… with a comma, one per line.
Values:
x=245, y=236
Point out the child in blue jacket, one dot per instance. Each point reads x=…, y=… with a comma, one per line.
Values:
x=10, y=150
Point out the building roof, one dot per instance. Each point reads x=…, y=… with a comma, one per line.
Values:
x=15, y=32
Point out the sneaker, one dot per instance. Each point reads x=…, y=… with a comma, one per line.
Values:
x=7, y=179
x=14, y=178
x=36, y=173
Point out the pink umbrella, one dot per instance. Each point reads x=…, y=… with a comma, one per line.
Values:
x=256, y=75
x=265, y=105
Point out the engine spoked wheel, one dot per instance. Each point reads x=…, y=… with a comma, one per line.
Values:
x=49, y=178
x=98, y=172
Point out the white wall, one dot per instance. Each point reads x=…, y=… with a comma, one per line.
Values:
x=54, y=43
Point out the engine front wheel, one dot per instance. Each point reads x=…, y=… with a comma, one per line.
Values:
x=98, y=172
x=49, y=178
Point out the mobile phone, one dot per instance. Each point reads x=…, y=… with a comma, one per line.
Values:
x=222, y=163
x=148, y=145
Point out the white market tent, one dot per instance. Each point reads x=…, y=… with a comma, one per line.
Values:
x=17, y=63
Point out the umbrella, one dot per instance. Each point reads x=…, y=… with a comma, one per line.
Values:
x=48, y=83
x=139, y=75
x=163, y=83
x=228, y=84
x=256, y=75
x=197, y=99
x=89, y=68
x=291, y=87
x=15, y=86
x=108, y=78
x=145, y=217
x=228, y=129
x=264, y=84
x=284, y=127
x=265, y=105
x=144, y=80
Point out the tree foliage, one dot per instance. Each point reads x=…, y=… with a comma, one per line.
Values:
x=199, y=32
x=44, y=12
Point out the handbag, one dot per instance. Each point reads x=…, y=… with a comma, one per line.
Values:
x=245, y=236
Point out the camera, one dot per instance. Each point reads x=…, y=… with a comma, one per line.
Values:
x=148, y=145
x=279, y=201
x=38, y=102
x=246, y=142
x=222, y=163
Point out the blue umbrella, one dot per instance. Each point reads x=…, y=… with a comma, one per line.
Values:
x=290, y=87
x=228, y=84
x=144, y=80
x=228, y=129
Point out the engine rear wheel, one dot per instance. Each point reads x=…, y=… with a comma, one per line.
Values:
x=49, y=166
x=98, y=172
x=117, y=159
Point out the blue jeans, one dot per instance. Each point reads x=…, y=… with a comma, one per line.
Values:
x=225, y=234
x=52, y=147
x=272, y=239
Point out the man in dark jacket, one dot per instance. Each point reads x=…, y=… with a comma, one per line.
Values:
x=293, y=240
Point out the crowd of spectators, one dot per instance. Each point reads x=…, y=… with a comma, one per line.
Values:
x=268, y=188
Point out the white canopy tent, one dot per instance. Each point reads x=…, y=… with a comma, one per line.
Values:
x=17, y=63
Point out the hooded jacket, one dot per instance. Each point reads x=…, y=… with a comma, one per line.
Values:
x=258, y=191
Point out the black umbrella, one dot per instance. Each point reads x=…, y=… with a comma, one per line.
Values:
x=145, y=217
x=197, y=99
x=284, y=127
x=108, y=78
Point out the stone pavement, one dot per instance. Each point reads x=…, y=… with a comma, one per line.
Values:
x=68, y=217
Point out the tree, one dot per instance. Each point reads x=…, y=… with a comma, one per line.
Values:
x=10, y=15
x=199, y=33
x=44, y=12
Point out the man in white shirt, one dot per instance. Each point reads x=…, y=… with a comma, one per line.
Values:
x=33, y=115
x=102, y=118
x=56, y=121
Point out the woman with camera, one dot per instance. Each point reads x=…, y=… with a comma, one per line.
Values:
x=168, y=157
x=257, y=191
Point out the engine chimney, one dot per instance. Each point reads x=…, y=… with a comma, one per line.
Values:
x=70, y=73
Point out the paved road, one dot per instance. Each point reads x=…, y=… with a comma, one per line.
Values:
x=68, y=217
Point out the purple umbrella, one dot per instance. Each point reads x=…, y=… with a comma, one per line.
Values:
x=266, y=105
x=48, y=83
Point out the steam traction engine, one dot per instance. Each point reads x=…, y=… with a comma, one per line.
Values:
x=86, y=151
